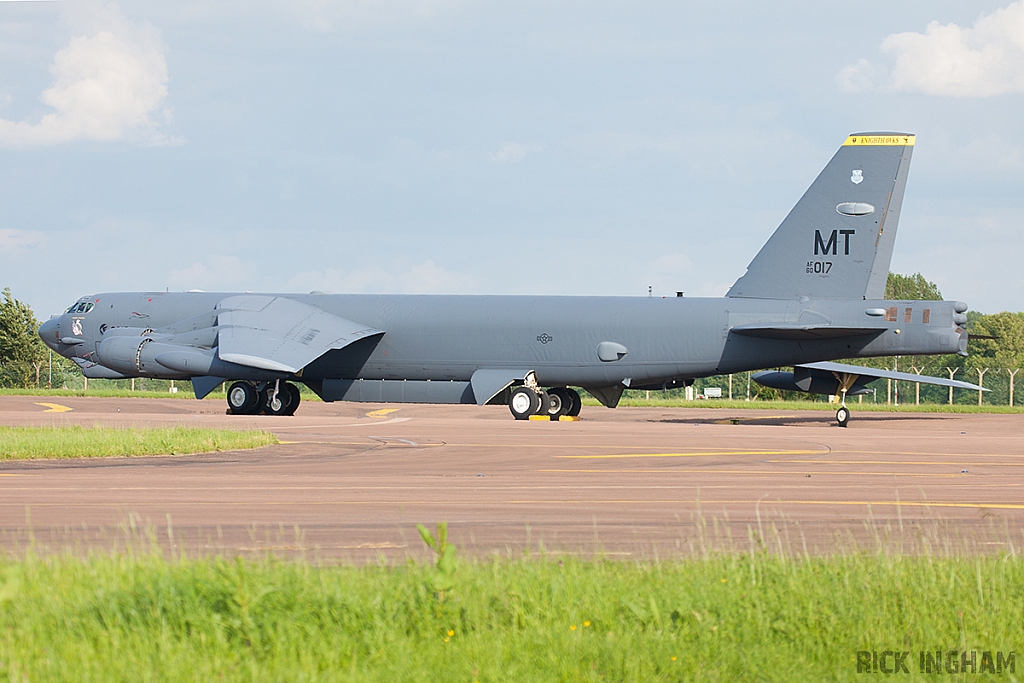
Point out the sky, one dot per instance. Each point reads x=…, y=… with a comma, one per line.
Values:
x=449, y=146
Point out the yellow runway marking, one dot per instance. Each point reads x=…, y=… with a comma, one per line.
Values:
x=406, y=503
x=947, y=463
x=932, y=453
x=768, y=503
x=383, y=412
x=55, y=408
x=820, y=473
x=689, y=455
x=607, y=446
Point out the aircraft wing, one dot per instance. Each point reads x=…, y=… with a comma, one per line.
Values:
x=280, y=334
x=842, y=368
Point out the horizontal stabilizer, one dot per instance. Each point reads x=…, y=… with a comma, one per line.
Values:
x=280, y=334
x=841, y=368
x=797, y=331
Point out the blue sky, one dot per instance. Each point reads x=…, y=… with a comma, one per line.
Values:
x=460, y=147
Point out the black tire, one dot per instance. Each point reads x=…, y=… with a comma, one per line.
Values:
x=559, y=402
x=544, y=400
x=523, y=402
x=576, y=403
x=843, y=416
x=285, y=400
x=296, y=398
x=242, y=399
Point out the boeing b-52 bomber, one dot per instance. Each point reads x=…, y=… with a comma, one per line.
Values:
x=814, y=293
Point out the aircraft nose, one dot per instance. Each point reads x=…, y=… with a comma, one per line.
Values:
x=50, y=332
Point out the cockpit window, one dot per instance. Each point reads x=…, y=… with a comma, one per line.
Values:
x=82, y=307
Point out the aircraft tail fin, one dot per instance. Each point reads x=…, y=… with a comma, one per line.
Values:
x=837, y=241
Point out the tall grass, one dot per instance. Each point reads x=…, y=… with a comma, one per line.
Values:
x=738, y=617
x=74, y=441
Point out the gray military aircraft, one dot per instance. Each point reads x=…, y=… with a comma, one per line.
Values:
x=813, y=294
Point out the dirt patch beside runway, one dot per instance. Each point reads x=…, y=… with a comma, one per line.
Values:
x=351, y=481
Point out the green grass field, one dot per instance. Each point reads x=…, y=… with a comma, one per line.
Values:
x=72, y=441
x=738, y=617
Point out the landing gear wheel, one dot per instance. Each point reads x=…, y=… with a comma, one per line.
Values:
x=523, y=403
x=242, y=399
x=544, y=399
x=575, y=403
x=284, y=403
x=843, y=416
x=296, y=397
x=559, y=402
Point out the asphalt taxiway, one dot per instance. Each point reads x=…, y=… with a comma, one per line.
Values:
x=351, y=481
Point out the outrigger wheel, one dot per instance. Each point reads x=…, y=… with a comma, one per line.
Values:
x=845, y=382
x=843, y=416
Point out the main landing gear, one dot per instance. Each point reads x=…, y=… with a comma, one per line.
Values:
x=553, y=403
x=263, y=398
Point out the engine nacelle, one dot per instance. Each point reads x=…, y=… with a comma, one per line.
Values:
x=149, y=357
x=136, y=356
x=809, y=381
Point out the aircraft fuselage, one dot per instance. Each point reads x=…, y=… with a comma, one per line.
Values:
x=445, y=338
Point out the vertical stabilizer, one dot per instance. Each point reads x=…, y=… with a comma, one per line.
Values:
x=837, y=241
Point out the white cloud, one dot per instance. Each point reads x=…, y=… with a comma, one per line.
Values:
x=108, y=85
x=948, y=60
x=856, y=77
x=216, y=272
x=513, y=152
x=16, y=241
x=423, y=278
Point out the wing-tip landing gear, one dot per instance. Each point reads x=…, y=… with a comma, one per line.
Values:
x=527, y=402
x=843, y=414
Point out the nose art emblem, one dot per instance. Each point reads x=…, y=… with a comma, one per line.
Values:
x=76, y=327
x=857, y=177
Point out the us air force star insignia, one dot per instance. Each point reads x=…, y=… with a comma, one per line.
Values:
x=545, y=338
x=857, y=177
